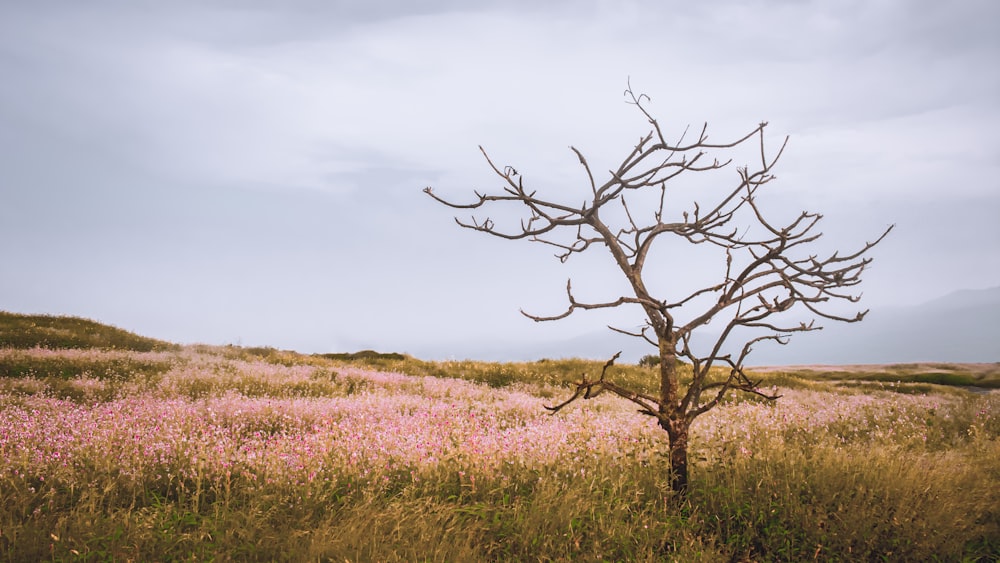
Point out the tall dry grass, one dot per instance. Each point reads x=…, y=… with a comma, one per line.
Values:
x=232, y=456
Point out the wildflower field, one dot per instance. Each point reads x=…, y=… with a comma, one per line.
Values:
x=229, y=454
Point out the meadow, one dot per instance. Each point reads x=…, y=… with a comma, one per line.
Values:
x=145, y=451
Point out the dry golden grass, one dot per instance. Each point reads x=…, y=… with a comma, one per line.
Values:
x=229, y=454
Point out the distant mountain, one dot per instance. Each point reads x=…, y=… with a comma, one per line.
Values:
x=960, y=327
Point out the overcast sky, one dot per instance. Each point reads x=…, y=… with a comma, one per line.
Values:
x=251, y=172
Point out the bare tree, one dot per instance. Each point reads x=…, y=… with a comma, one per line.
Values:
x=764, y=270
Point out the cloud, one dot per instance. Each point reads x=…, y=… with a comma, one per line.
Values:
x=270, y=156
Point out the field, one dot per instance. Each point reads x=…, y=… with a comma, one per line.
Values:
x=147, y=451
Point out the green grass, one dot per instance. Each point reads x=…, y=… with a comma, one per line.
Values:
x=30, y=331
x=56, y=367
x=904, y=378
x=544, y=372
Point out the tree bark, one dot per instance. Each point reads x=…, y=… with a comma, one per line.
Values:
x=678, y=432
x=672, y=418
x=668, y=376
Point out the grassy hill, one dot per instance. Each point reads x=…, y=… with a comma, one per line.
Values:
x=45, y=331
x=66, y=332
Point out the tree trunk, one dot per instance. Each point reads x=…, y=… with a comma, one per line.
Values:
x=678, y=432
x=668, y=374
x=672, y=418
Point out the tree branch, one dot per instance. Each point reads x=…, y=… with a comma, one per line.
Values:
x=766, y=274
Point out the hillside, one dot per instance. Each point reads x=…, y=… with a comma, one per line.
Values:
x=220, y=452
x=60, y=332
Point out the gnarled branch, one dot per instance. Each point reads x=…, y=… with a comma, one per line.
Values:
x=766, y=272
